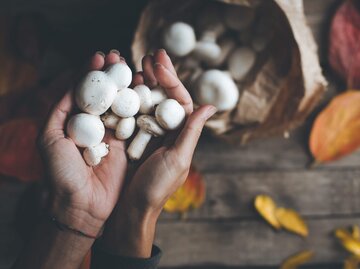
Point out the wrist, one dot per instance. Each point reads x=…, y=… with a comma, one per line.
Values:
x=67, y=213
x=130, y=232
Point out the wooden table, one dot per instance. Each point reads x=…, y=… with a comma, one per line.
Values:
x=226, y=231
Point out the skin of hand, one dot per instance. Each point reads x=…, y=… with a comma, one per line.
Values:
x=131, y=228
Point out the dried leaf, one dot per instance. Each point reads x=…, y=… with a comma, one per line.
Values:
x=347, y=240
x=190, y=195
x=291, y=221
x=296, y=260
x=266, y=207
x=19, y=156
x=336, y=130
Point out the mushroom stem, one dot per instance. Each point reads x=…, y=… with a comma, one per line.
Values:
x=93, y=155
x=138, y=145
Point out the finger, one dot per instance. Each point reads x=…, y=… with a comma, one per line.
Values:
x=187, y=140
x=113, y=57
x=138, y=79
x=96, y=62
x=148, y=70
x=59, y=114
x=173, y=87
x=163, y=58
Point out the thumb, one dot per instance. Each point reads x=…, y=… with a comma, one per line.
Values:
x=187, y=140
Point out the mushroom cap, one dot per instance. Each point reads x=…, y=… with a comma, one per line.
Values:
x=149, y=124
x=158, y=94
x=96, y=92
x=126, y=103
x=241, y=60
x=125, y=128
x=110, y=120
x=238, y=17
x=121, y=74
x=170, y=114
x=207, y=51
x=179, y=39
x=85, y=130
x=146, y=104
x=215, y=87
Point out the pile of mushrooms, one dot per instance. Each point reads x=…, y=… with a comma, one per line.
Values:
x=222, y=48
x=106, y=100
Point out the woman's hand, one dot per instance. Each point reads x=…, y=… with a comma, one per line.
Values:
x=130, y=231
x=82, y=196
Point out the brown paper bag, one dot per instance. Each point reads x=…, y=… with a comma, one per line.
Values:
x=278, y=93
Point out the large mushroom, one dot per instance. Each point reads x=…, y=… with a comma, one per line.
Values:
x=170, y=114
x=126, y=103
x=179, y=39
x=121, y=74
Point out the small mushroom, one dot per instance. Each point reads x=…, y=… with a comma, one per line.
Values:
x=170, y=114
x=96, y=92
x=85, y=130
x=126, y=103
x=238, y=17
x=179, y=39
x=121, y=74
x=157, y=95
x=93, y=155
x=215, y=87
x=148, y=128
x=146, y=104
x=125, y=128
x=241, y=61
x=226, y=45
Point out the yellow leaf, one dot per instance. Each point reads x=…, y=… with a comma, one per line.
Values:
x=335, y=132
x=190, y=195
x=356, y=232
x=348, y=241
x=296, y=260
x=291, y=221
x=266, y=207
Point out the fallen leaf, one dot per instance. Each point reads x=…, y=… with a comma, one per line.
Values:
x=19, y=156
x=347, y=240
x=335, y=132
x=296, y=260
x=290, y=220
x=190, y=195
x=266, y=207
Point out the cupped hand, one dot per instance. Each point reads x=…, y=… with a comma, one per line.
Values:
x=82, y=197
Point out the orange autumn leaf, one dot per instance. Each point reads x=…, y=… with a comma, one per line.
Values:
x=291, y=220
x=19, y=157
x=336, y=130
x=348, y=241
x=190, y=195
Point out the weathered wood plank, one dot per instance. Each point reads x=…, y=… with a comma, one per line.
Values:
x=245, y=243
x=313, y=193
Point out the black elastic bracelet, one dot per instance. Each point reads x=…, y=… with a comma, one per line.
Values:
x=64, y=227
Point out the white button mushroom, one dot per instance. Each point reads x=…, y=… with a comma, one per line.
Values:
x=226, y=45
x=241, y=61
x=158, y=94
x=126, y=103
x=170, y=114
x=85, y=130
x=238, y=17
x=125, y=128
x=215, y=87
x=121, y=74
x=95, y=93
x=146, y=104
x=179, y=39
x=93, y=155
x=148, y=128
x=110, y=120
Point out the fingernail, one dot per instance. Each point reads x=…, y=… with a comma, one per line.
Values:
x=158, y=65
x=100, y=53
x=122, y=59
x=163, y=51
x=210, y=112
x=115, y=51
